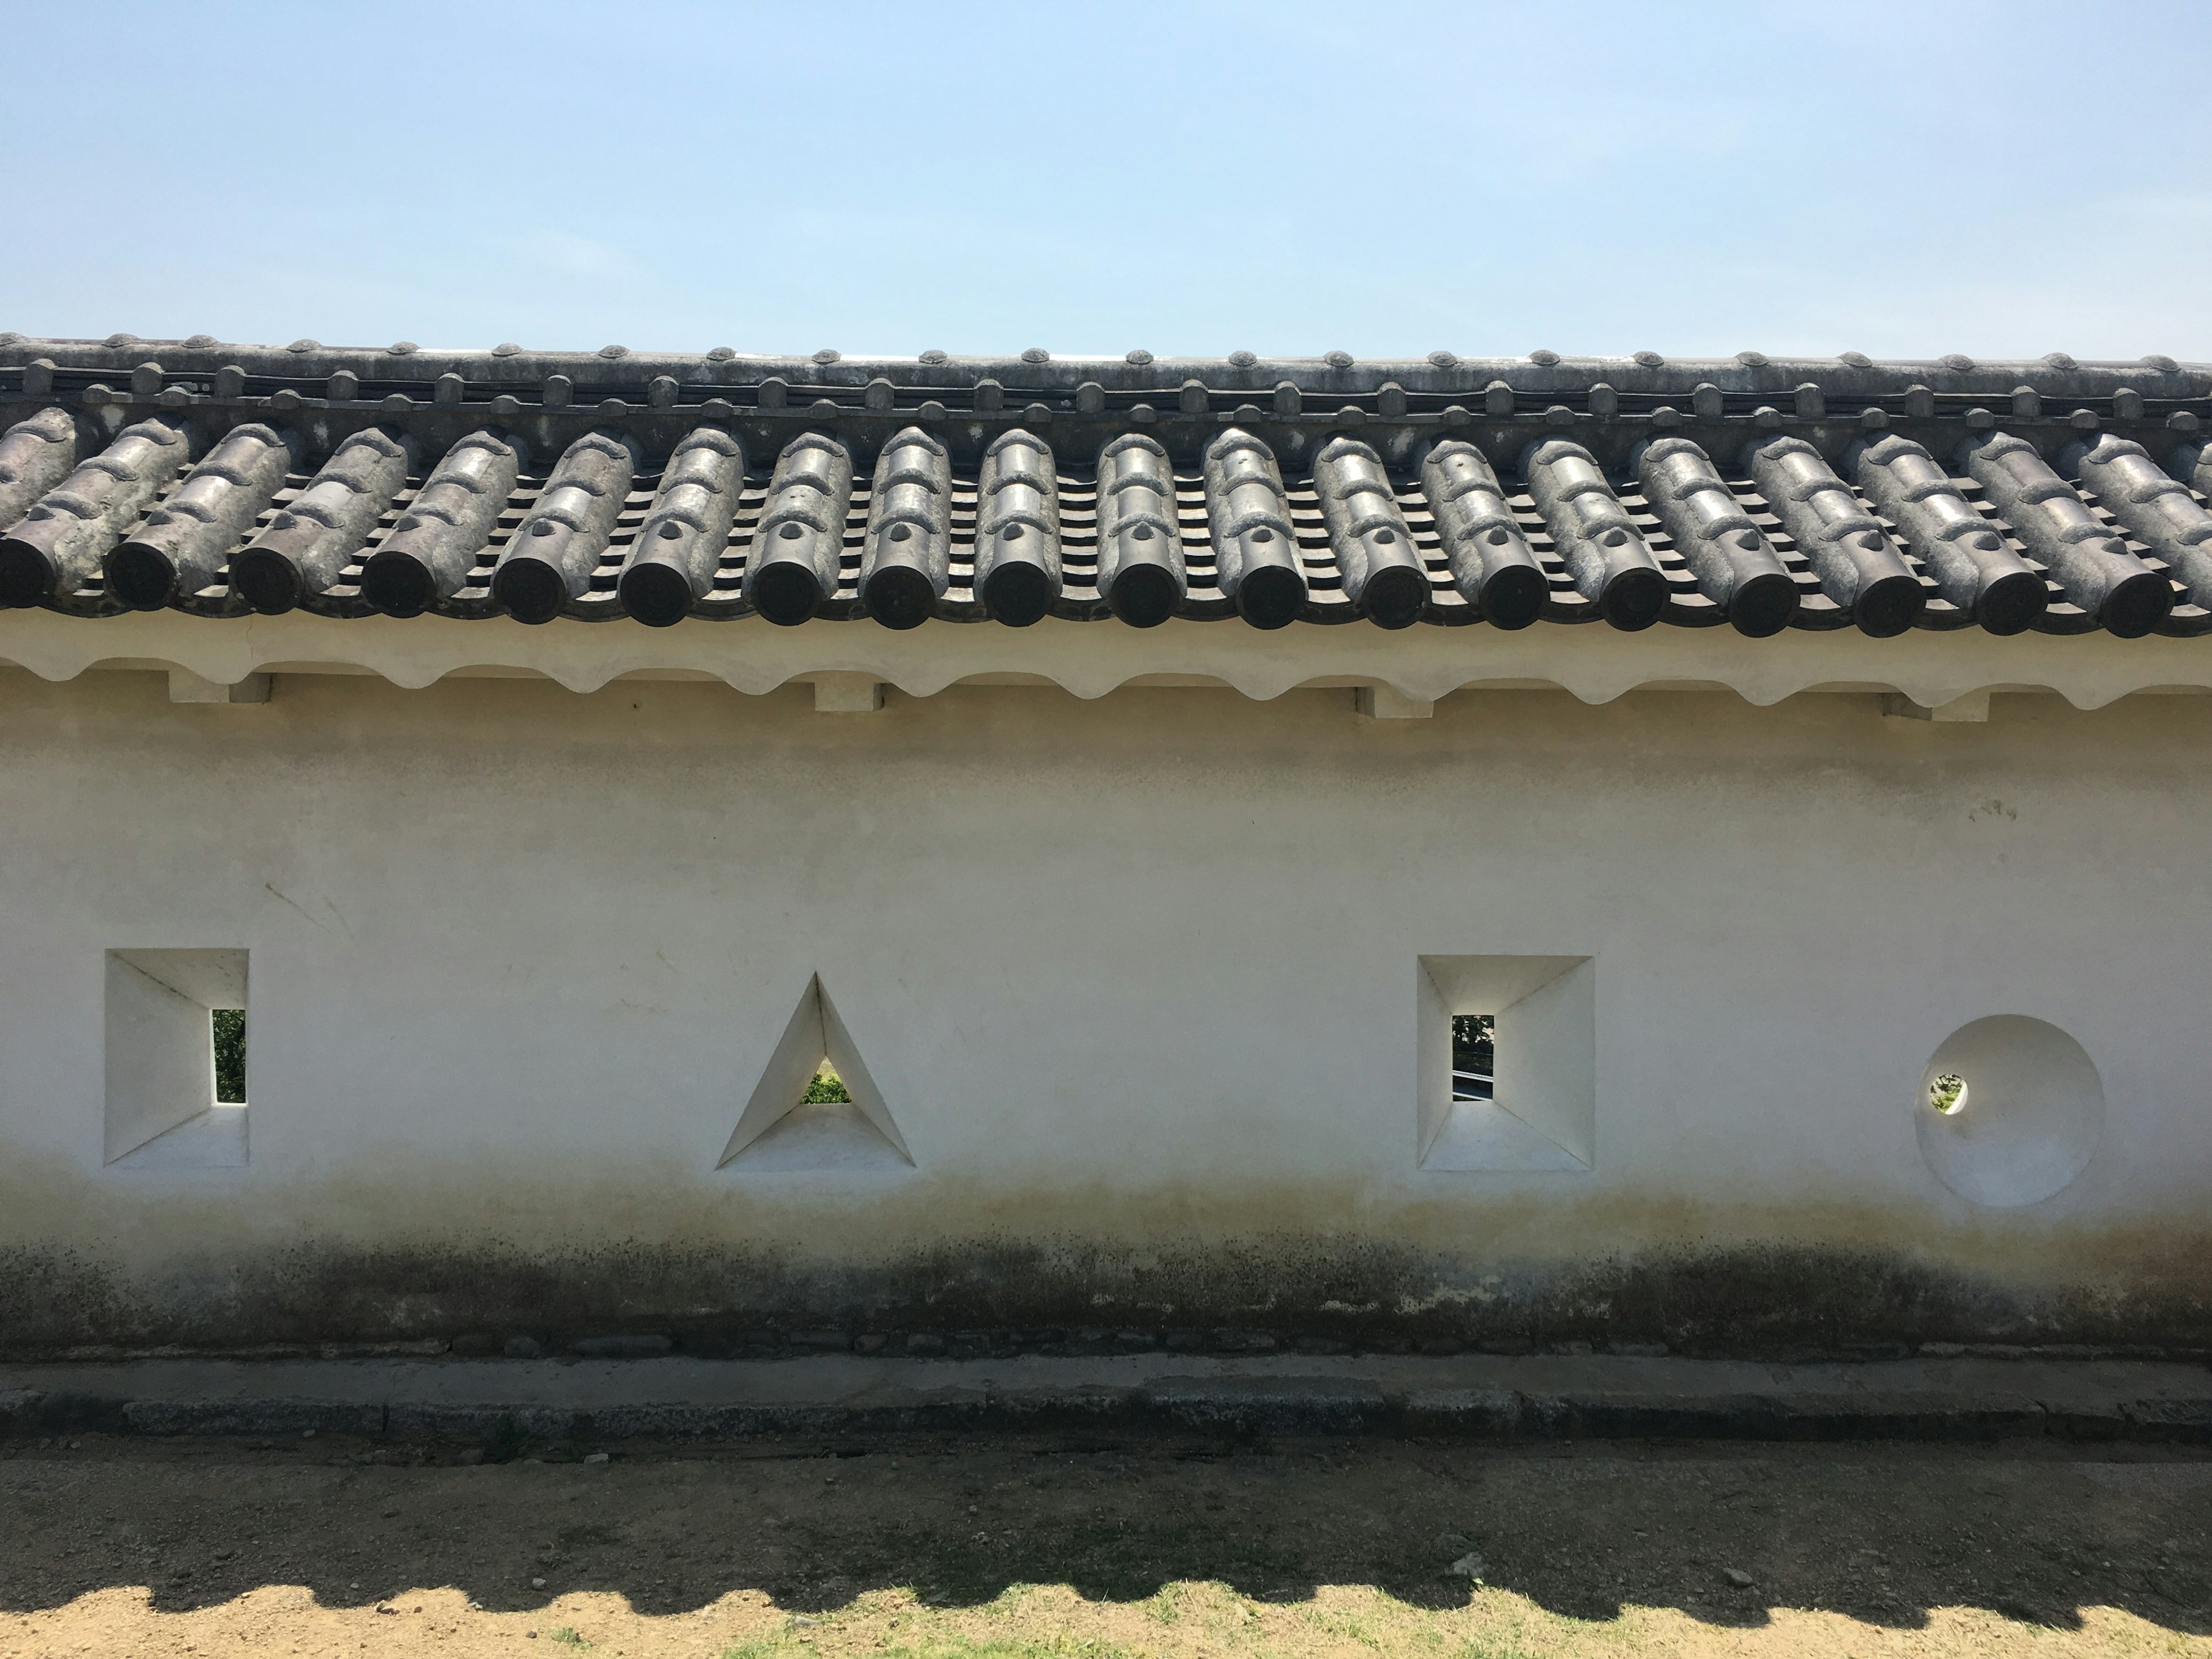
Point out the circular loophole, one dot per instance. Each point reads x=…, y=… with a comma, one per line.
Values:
x=1497, y=538
x=1385, y=537
x=790, y=532
x=1013, y=532
x=670, y=530
x=1143, y=532
x=902, y=532
x=543, y=527
x=1263, y=534
x=2024, y=1120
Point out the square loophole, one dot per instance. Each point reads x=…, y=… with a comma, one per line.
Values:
x=164, y=1110
x=1536, y=1109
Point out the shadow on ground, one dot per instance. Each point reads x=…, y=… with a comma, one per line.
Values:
x=1882, y=1534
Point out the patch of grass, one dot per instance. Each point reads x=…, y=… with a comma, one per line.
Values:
x=1484, y=1648
x=1507, y=1642
x=1338, y=1622
x=566, y=1635
x=950, y=1645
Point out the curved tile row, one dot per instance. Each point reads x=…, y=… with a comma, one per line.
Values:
x=1884, y=537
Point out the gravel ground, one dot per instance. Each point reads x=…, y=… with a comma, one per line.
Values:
x=1014, y=1546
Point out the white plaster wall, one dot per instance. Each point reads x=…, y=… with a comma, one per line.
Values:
x=1129, y=967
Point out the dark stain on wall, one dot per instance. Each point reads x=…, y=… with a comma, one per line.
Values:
x=991, y=1296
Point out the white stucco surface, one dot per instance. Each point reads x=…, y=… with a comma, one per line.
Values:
x=1593, y=662
x=1136, y=971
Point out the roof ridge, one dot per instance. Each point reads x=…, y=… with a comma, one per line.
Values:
x=1235, y=372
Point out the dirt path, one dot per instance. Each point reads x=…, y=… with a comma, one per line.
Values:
x=1014, y=1548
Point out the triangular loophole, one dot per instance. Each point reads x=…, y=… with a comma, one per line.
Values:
x=815, y=1106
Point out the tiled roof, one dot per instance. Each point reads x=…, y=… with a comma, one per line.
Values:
x=1755, y=494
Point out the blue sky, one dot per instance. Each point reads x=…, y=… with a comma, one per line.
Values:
x=1907, y=180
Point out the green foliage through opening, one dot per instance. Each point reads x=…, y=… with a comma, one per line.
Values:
x=227, y=1027
x=1474, y=1045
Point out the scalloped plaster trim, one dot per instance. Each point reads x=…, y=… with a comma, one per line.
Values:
x=1595, y=663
